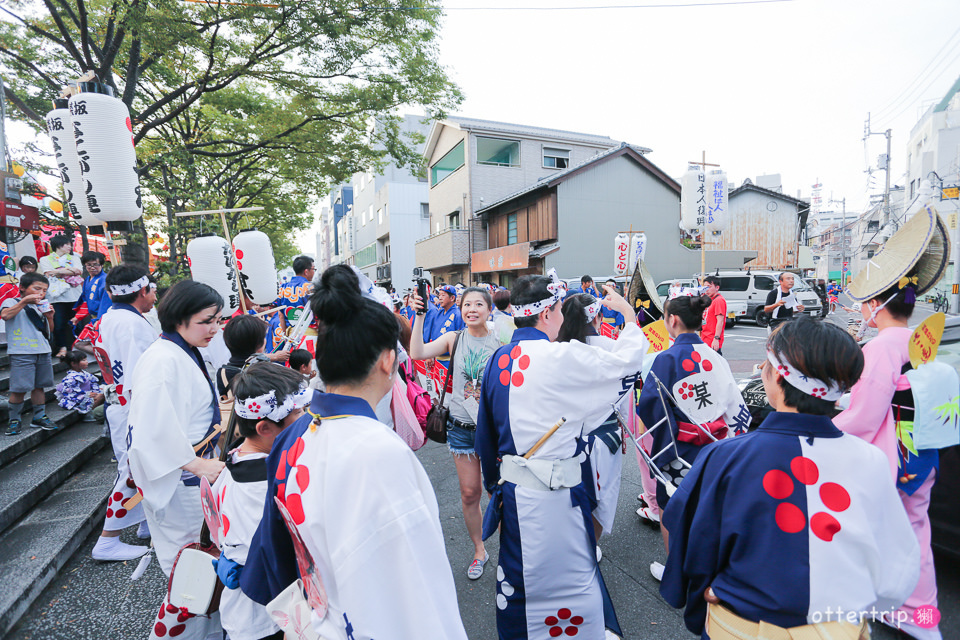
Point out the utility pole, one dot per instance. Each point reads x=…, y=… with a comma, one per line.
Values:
x=886, y=166
x=843, y=244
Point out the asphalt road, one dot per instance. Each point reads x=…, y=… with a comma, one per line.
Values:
x=97, y=600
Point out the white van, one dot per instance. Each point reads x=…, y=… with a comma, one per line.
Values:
x=752, y=287
x=736, y=309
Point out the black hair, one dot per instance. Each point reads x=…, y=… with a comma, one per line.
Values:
x=93, y=256
x=575, y=325
x=74, y=357
x=25, y=260
x=28, y=279
x=819, y=350
x=353, y=331
x=261, y=378
x=689, y=309
x=713, y=280
x=783, y=274
x=183, y=300
x=298, y=358
x=483, y=293
x=301, y=264
x=501, y=299
x=58, y=241
x=125, y=273
x=244, y=335
x=585, y=279
x=898, y=307
x=527, y=290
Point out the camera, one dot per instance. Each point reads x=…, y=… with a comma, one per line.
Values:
x=422, y=285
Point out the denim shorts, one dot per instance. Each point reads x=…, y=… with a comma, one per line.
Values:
x=459, y=439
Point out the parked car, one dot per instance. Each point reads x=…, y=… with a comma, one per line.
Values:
x=945, y=498
x=752, y=287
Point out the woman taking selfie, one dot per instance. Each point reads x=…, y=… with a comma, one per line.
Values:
x=477, y=342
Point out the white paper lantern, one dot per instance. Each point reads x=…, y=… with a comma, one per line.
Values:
x=258, y=273
x=211, y=262
x=693, y=199
x=107, y=158
x=60, y=128
x=621, y=254
x=638, y=249
x=717, y=212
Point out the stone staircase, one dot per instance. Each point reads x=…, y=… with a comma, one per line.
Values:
x=54, y=491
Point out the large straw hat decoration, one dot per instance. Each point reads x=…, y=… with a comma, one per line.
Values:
x=920, y=250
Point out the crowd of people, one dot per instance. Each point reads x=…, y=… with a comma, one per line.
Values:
x=325, y=525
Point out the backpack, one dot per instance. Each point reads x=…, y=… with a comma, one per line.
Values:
x=418, y=397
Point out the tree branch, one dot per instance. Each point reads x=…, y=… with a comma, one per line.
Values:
x=21, y=105
x=54, y=84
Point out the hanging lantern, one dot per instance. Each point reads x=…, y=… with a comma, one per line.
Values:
x=107, y=158
x=60, y=128
x=211, y=262
x=258, y=273
x=717, y=213
x=55, y=205
x=693, y=199
x=638, y=248
x=18, y=170
x=621, y=254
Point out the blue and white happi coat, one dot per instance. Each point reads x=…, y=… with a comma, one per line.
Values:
x=788, y=524
x=548, y=581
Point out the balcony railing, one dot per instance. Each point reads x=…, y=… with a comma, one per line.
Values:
x=446, y=248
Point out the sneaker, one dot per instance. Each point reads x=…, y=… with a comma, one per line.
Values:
x=475, y=570
x=13, y=429
x=649, y=514
x=656, y=569
x=44, y=423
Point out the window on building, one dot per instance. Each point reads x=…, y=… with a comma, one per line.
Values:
x=556, y=158
x=512, y=228
x=450, y=162
x=873, y=226
x=380, y=215
x=386, y=211
x=869, y=253
x=453, y=220
x=363, y=220
x=386, y=250
x=499, y=152
x=424, y=210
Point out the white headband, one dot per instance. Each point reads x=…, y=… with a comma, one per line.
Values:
x=133, y=287
x=266, y=406
x=557, y=291
x=810, y=386
x=591, y=310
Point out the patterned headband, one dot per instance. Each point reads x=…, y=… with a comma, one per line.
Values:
x=592, y=309
x=266, y=406
x=133, y=287
x=557, y=290
x=810, y=386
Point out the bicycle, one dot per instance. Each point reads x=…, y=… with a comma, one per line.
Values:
x=940, y=302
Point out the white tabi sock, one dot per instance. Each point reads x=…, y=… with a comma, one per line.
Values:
x=143, y=531
x=111, y=549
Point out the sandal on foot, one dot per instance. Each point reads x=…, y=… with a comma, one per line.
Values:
x=475, y=570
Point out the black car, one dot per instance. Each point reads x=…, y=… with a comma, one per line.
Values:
x=945, y=497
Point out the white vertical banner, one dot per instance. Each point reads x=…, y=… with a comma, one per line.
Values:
x=693, y=199
x=621, y=254
x=638, y=248
x=717, y=212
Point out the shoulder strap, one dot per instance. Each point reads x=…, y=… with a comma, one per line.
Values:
x=453, y=352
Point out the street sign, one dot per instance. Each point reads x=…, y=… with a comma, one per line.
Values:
x=950, y=193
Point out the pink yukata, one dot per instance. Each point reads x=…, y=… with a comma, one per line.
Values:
x=870, y=417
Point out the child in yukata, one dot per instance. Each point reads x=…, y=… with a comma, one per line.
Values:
x=79, y=389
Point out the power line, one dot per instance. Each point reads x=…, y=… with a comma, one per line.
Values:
x=917, y=79
x=722, y=3
x=890, y=119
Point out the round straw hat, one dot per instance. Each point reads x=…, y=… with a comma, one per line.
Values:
x=920, y=248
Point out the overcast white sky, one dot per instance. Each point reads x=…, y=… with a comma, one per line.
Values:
x=780, y=87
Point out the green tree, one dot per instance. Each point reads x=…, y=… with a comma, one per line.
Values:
x=235, y=103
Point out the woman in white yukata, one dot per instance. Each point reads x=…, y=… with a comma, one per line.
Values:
x=581, y=322
x=173, y=411
x=357, y=494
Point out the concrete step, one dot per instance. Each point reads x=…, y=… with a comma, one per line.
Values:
x=12, y=447
x=51, y=398
x=34, y=475
x=40, y=544
x=59, y=370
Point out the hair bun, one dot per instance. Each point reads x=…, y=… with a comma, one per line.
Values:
x=337, y=297
x=703, y=302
